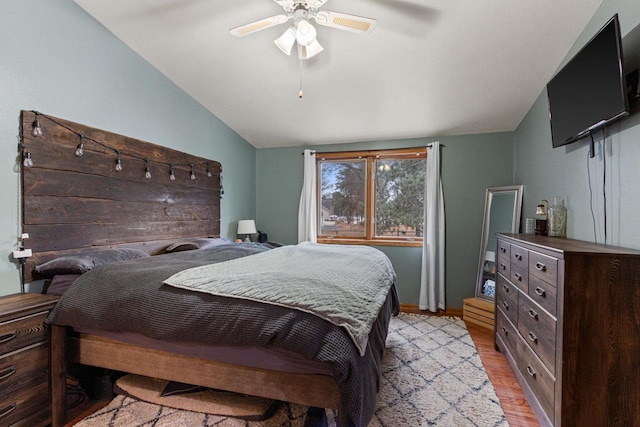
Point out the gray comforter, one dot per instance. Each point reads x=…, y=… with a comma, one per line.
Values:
x=130, y=297
x=344, y=285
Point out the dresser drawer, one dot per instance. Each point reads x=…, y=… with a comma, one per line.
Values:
x=543, y=294
x=506, y=330
x=503, y=267
x=23, y=332
x=31, y=398
x=504, y=250
x=539, y=331
x=507, y=290
x=520, y=278
x=507, y=299
x=519, y=257
x=539, y=379
x=544, y=267
x=18, y=367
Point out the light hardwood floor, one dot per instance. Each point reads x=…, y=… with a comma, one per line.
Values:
x=514, y=404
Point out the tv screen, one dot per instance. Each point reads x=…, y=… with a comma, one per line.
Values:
x=589, y=92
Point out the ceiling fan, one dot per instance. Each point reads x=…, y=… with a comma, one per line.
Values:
x=301, y=31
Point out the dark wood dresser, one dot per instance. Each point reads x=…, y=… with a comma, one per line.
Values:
x=25, y=396
x=568, y=323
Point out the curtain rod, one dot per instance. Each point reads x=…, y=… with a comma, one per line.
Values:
x=382, y=149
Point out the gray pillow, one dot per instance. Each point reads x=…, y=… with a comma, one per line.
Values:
x=83, y=261
x=192, y=243
x=59, y=284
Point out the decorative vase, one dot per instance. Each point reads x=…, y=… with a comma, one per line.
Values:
x=557, y=219
x=529, y=225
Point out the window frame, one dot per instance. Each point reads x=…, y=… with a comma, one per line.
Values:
x=370, y=195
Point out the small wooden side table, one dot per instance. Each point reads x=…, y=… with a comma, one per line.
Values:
x=479, y=311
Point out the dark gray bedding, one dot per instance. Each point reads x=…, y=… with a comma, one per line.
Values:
x=130, y=297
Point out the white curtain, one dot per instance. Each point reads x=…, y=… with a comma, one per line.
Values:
x=307, y=231
x=432, y=287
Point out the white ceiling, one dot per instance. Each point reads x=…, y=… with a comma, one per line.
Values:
x=430, y=68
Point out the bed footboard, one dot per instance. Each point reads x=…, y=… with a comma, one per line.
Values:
x=306, y=389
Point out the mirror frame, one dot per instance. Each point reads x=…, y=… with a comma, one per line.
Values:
x=515, y=227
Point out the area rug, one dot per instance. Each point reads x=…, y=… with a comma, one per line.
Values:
x=432, y=376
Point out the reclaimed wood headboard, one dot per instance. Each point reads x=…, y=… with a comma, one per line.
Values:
x=71, y=202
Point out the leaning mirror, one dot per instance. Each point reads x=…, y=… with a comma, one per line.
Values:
x=502, y=206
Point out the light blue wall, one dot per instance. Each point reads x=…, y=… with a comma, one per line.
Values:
x=56, y=59
x=470, y=164
x=548, y=172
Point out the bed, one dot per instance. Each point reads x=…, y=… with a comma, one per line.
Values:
x=81, y=204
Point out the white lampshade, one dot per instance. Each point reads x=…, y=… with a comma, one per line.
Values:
x=247, y=226
x=286, y=40
x=305, y=33
x=306, y=52
x=490, y=256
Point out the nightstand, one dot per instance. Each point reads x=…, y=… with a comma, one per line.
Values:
x=25, y=396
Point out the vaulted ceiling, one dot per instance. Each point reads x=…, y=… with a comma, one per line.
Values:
x=429, y=68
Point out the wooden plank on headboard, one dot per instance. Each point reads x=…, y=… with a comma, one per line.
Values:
x=74, y=202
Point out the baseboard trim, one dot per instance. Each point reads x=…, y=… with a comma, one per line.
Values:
x=412, y=308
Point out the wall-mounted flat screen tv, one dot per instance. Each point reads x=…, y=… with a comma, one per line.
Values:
x=590, y=91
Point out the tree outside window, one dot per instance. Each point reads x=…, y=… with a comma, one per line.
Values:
x=393, y=200
x=343, y=193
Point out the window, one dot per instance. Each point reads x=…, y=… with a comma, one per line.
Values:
x=386, y=186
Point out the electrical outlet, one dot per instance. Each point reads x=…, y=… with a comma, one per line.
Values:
x=24, y=253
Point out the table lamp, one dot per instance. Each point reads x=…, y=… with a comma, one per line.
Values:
x=247, y=227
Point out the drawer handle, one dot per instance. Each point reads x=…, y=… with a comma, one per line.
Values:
x=518, y=276
x=506, y=288
x=505, y=331
x=6, y=411
x=518, y=257
x=540, y=266
x=532, y=337
x=533, y=314
x=6, y=373
x=530, y=371
x=7, y=337
x=502, y=266
x=539, y=291
x=506, y=306
x=503, y=250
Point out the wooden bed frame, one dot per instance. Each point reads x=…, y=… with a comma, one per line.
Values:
x=312, y=390
x=74, y=202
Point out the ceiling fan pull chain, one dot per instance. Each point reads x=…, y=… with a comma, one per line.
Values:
x=300, y=93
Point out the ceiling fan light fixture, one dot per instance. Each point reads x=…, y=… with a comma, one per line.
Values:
x=305, y=33
x=286, y=40
x=306, y=52
x=301, y=32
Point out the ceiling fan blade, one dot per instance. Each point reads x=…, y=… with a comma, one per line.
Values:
x=285, y=3
x=345, y=21
x=252, y=27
